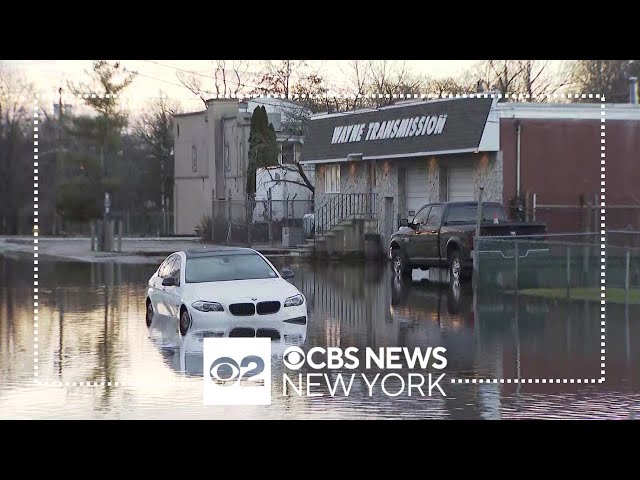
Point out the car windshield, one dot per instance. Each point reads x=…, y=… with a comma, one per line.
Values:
x=468, y=213
x=220, y=268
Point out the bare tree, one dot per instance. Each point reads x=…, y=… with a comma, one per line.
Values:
x=296, y=117
x=228, y=78
x=277, y=76
x=446, y=85
x=194, y=84
x=607, y=77
x=357, y=78
x=530, y=78
x=391, y=78
x=155, y=131
x=16, y=142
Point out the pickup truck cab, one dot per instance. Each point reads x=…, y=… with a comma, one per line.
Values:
x=442, y=235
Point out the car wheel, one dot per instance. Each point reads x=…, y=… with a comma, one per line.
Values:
x=455, y=266
x=185, y=322
x=399, y=265
x=149, y=314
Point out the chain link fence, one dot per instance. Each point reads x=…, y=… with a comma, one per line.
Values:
x=561, y=265
x=259, y=222
x=145, y=224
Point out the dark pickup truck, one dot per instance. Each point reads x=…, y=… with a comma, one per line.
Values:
x=442, y=235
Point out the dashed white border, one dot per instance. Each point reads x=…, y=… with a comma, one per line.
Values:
x=36, y=109
x=555, y=96
x=350, y=96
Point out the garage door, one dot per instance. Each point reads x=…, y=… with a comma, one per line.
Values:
x=460, y=184
x=416, y=188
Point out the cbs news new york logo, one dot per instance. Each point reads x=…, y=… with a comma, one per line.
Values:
x=237, y=371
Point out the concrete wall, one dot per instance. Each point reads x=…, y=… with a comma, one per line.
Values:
x=236, y=155
x=192, y=189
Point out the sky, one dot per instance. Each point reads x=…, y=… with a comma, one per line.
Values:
x=156, y=76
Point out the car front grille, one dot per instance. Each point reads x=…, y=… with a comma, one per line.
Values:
x=242, y=332
x=269, y=333
x=247, y=332
x=266, y=308
x=242, y=309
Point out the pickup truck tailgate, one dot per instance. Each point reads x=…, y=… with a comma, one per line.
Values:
x=508, y=229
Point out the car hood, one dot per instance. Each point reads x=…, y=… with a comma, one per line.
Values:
x=238, y=291
x=403, y=231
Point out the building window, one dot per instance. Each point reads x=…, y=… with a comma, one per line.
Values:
x=297, y=150
x=332, y=179
x=226, y=156
x=287, y=153
x=194, y=158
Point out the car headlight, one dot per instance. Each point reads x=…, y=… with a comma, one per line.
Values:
x=205, y=306
x=294, y=301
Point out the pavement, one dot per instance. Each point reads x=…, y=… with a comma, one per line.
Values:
x=134, y=250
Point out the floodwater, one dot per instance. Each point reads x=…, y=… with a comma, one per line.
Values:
x=91, y=328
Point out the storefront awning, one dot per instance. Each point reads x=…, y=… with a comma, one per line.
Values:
x=413, y=129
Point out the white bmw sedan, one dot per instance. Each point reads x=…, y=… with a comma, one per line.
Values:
x=227, y=291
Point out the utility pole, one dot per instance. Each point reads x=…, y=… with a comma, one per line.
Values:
x=60, y=104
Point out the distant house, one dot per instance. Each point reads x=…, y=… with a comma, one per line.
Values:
x=212, y=153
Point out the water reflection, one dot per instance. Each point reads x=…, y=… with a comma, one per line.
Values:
x=92, y=328
x=183, y=354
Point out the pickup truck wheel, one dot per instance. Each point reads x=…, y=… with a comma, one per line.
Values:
x=399, y=264
x=455, y=266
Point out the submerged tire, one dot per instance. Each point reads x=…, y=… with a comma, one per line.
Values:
x=185, y=322
x=149, y=313
x=455, y=266
x=399, y=264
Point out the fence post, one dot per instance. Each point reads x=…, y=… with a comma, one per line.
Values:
x=476, y=234
x=627, y=265
x=229, y=223
x=568, y=271
x=249, y=217
x=270, y=215
x=120, y=223
x=516, y=256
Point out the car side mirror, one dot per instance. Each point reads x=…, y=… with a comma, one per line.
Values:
x=169, y=282
x=286, y=273
x=404, y=222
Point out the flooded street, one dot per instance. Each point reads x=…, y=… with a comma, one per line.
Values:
x=92, y=329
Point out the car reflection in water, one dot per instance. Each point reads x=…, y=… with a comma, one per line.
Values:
x=184, y=353
x=441, y=302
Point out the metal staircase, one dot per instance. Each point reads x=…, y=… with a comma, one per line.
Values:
x=338, y=213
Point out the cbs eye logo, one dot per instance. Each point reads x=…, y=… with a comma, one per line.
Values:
x=225, y=371
x=293, y=358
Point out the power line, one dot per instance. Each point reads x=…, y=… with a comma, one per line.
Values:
x=234, y=72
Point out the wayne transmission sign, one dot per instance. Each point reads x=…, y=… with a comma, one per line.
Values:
x=417, y=128
x=394, y=128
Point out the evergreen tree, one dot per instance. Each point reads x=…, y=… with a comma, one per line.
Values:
x=93, y=164
x=263, y=147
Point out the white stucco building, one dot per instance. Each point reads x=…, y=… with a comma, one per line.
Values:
x=211, y=153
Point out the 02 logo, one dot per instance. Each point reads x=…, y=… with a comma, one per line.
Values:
x=237, y=371
x=226, y=371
